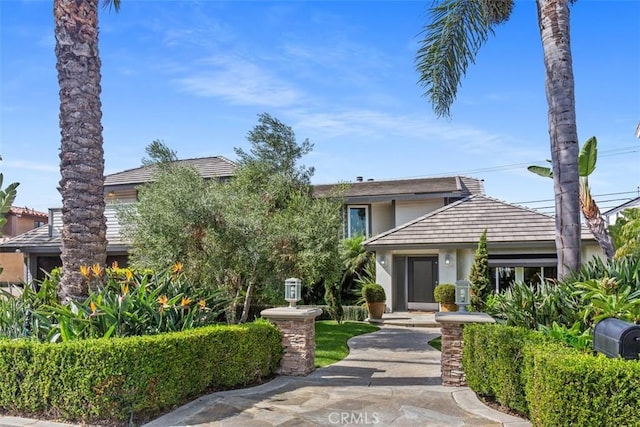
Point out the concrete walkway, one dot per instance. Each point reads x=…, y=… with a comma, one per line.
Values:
x=390, y=378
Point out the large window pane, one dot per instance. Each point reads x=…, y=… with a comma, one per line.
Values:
x=502, y=277
x=358, y=221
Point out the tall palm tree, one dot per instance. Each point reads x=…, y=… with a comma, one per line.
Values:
x=84, y=239
x=452, y=39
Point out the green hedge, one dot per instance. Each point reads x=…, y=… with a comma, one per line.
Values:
x=492, y=359
x=115, y=379
x=554, y=384
x=568, y=388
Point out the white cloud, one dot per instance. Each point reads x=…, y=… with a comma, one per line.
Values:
x=240, y=81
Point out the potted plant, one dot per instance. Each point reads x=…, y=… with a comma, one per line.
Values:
x=375, y=298
x=445, y=294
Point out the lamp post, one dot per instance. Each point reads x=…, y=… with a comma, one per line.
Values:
x=463, y=292
x=292, y=291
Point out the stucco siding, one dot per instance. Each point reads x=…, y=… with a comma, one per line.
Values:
x=381, y=217
x=410, y=210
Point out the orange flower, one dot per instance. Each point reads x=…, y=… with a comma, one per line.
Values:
x=177, y=267
x=96, y=270
x=114, y=265
x=163, y=300
x=125, y=289
x=202, y=303
x=128, y=274
x=185, y=301
x=84, y=270
x=93, y=307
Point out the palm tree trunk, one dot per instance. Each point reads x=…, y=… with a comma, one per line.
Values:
x=81, y=154
x=553, y=19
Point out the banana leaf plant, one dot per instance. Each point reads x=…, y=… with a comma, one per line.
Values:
x=7, y=196
x=586, y=165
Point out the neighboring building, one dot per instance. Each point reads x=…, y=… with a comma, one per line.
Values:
x=19, y=220
x=42, y=246
x=612, y=215
x=439, y=247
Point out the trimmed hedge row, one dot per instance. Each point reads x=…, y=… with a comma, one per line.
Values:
x=122, y=378
x=554, y=384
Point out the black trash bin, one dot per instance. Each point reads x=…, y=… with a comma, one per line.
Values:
x=614, y=337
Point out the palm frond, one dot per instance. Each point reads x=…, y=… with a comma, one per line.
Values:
x=457, y=31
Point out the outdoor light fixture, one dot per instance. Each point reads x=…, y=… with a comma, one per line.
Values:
x=463, y=294
x=292, y=291
x=447, y=259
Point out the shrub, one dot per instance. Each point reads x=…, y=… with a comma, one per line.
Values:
x=119, y=378
x=445, y=293
x=351, y=313
x=373, y=292
x=566, y=387
x=493, y=359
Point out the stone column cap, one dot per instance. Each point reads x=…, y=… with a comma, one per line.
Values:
x=290, y=313
x=457, y=317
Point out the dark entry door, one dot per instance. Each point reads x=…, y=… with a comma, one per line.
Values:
x=423, y=277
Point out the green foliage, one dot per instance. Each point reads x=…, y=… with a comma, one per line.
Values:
x=246, y=236
x=373, y=292
x=573, y=337
x=445, y=293
x=129, y=303
x=159, y=153
x=565, y=387
x=332, y=337
x=493, y=362
x=529, y=305
x=332, y=299
x=479, y=275
x=626, y=234
x=7, y=196
x=355, y=260
x=136, y=377
x=606, y=298
x=350, y=313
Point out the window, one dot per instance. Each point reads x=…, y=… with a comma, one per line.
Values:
x=37, y=224
x=358, y=221
x=529, y=268
x=534, y=275
x=502, y=277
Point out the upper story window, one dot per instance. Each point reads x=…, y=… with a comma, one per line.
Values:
x=358, y=221
x=37, y=224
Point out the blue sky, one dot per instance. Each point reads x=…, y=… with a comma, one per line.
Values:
x=342, y=73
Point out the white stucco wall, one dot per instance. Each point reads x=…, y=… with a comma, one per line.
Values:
x=409, y=210
x=381, y=217
x=384, y=272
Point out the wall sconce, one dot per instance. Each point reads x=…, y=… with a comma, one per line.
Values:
x=447, y=260
x=382, y=259
x=292, y=291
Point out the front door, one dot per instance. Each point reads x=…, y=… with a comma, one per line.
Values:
x=422, y=278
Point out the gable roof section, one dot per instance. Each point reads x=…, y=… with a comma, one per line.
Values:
x=20, y=211
x=452, y=186
x=633, y=203
x=462, y=222
x=207, y=167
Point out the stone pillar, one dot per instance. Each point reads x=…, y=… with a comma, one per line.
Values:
x=297, y=326
x=451, y=325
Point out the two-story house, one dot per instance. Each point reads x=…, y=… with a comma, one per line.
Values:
x=19, y=221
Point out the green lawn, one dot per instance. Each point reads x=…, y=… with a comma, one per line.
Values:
x=331, y=339
x=436, y=343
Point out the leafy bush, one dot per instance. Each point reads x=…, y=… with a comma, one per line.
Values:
x=373, y=292
x=122, y=378
x=128, y=303
x=351, y=313
x=530, y=305
x=566, y=387
x=445, y=293
x=493, y=359
x=573, y=336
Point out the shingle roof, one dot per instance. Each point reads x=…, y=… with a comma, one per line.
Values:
x=462, y=222
x=454, y=185
x=208, y=167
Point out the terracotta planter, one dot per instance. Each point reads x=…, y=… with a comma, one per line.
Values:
x=448, y=307
x=376, y=309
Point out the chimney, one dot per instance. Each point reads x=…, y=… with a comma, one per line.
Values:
x=358, y=179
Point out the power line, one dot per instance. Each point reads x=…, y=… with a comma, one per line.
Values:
x=594, y=196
